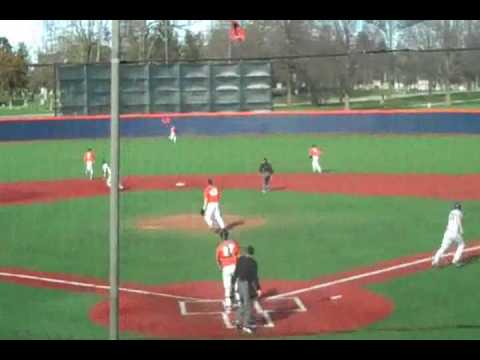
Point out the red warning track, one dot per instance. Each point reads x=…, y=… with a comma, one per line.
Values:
x=193, y=310
x=447, y=187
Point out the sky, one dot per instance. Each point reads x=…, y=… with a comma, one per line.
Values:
x=27, y=31
x=30, y=32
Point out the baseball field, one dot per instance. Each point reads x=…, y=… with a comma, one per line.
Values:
x=342, y=255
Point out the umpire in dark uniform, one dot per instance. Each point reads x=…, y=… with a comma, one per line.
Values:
x=246, y=273
x=266, y=170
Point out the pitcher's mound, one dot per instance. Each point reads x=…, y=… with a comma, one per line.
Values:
x=195, y=223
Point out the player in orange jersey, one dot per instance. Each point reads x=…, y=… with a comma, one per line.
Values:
x=89, y=160
x=314, y=154
x=211, y=210
x=227, y=254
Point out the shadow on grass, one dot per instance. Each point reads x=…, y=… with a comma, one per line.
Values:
x=234, y=224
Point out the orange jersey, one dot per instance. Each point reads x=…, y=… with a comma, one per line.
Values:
x=227, y=253
x=211, y=194
x=89, y=156
x=314, y=152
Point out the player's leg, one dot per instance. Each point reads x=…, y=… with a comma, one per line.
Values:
x=248, y=311
x=319, y=168
x=90, y=169
x=446, y=242
x=218, y=217
x=459, y=251
x=267, y=182
x=227, y=273
x=109, y=181
x=208, y=215
x=174, y=139
x=244, y=298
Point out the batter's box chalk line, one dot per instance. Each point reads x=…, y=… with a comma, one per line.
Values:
x=262, y=310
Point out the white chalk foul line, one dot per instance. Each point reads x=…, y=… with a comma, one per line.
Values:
x=93, y=286
x=178, y=297
x=364, y=275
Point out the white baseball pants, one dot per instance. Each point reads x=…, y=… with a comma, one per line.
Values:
x=89, y=169
x=227, y=274
x=109, y=182
x=448, y=240
x=212, y=212
x=316, y=164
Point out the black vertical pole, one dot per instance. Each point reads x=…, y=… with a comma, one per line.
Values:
x=55, y=89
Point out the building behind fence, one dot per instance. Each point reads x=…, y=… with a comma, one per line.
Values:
x=156, y=88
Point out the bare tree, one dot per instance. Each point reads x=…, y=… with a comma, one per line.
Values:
x=471, y=65
x=392, y=31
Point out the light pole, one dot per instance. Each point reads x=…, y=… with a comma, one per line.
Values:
x=114, y=156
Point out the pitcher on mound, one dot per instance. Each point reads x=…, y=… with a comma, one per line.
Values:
x=211, y=209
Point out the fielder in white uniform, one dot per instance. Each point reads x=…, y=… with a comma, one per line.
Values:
x=107, y=175
x=211, y=210
x=453, y=234
x=173, y=134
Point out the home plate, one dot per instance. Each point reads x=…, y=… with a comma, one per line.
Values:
x=180, y=184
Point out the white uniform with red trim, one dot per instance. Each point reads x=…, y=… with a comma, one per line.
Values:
x=315, y=153
x=173, y=134
x=89, y=160
x=107, y=174
x=211, y=199
x=227, y=254
x=453, y=234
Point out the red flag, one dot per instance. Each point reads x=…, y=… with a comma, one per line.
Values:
x=237, y=33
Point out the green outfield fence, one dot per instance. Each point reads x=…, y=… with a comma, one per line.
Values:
x=154, y=88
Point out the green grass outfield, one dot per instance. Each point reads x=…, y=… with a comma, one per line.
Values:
x=31, y=109
x=41, y=160
x=306, y=235
x=437, y=101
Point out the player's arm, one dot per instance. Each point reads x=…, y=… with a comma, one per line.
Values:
x=217, y=258
x=460, y=223
x=236, y=251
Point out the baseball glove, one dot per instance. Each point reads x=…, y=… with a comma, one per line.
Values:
x=202, y=212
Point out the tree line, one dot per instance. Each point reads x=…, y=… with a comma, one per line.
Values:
x=13, y=71
x=88, y=41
